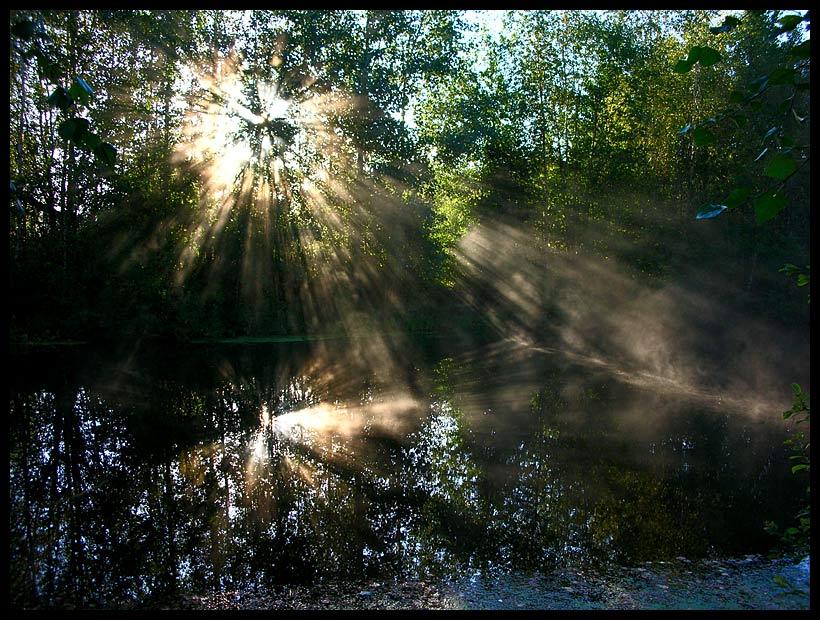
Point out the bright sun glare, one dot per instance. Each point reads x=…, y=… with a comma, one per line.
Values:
x=222, y=127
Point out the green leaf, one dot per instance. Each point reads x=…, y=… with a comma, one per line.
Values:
x=737, y=197
x=758, y=85
x=781, y=75
x=703, y=136
x=782, y=166
x=709, y=211
x=708, y=56
x=60, y=99
x=770, y=133
x=802, y=51
x=769, y=205
x=24, y=30
x=67, y=129
x=89, y=141
x=80, y=91
x=48, y=69
x=106, y=153
x=73, y=129
x=802, y=279
x=728, y=24
x=789, y=22
x=683, y=66
x=736, y=97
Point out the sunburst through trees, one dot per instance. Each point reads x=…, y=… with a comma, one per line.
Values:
x=277, y=169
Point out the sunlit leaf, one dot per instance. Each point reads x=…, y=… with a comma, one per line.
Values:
x=782, y=166
x=60, y=98
x=737, y=197
x=703, y=136
x=709, y=211
x=106, y=153
x=762, y=153
x=769, y=205
x=685, y=129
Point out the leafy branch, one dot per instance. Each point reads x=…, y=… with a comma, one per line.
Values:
x=801, y=459
x=30, y=40
x=783, y=165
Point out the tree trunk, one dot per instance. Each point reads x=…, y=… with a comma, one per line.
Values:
x=364, y=81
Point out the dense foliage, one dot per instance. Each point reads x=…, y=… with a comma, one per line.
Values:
x=196, y=174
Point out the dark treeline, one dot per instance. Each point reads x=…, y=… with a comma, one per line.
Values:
x=206, y=174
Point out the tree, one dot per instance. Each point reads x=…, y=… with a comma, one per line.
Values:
x=785, y=149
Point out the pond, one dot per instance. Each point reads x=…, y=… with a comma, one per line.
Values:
x=137, y=474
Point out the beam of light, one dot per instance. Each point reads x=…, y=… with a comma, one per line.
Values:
x=303, y=202
x=677, y=338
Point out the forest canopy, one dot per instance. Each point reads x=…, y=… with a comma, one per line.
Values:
x=211, y=174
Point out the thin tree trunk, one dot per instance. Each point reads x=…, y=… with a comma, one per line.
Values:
x=364, y=81
x=693, y=121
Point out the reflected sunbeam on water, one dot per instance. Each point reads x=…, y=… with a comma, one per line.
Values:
x=242, y=467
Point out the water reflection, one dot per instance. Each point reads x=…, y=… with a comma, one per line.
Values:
x=232, y=469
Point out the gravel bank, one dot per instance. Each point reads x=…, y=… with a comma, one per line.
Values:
x=746, y=583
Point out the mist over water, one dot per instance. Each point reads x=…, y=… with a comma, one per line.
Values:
x=288, y=463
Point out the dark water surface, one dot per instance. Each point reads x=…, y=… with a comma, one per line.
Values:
x=144, y=473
